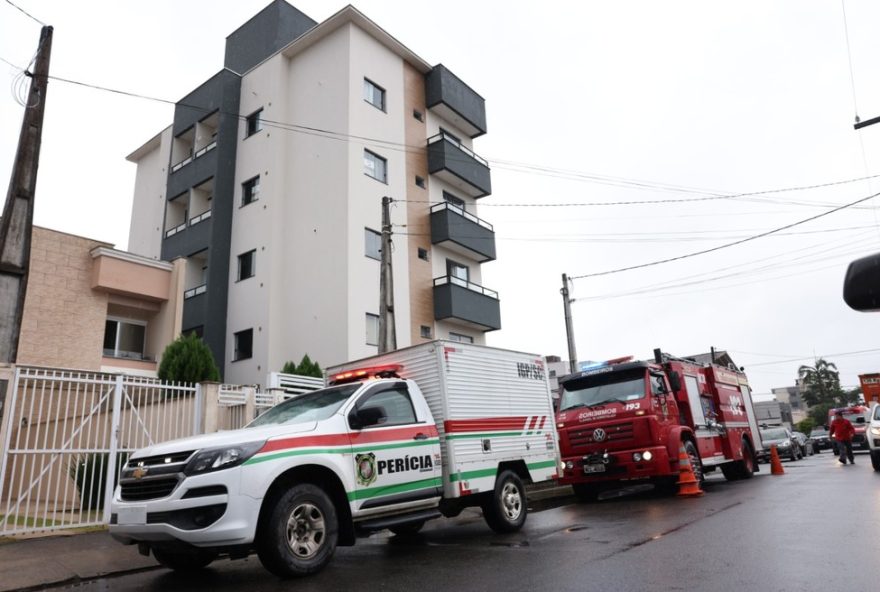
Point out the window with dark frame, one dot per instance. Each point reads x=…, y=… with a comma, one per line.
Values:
x=372, y=244
x=124, y=338
x=253, y=123
x=374, y=94
x=394, y=401
x=423, y=254
x=419, y=115
x=425, y=332
x=460, y=338
x=247, y=264
x=250, y=190
x=375, y=166
x=458, y=274
x=243, y=345
x=420, y=181
x=453, y=200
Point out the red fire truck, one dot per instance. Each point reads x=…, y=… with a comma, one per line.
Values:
x=626, y=420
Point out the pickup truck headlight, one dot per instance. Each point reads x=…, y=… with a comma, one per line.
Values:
x=223, y=457
x=875, y=431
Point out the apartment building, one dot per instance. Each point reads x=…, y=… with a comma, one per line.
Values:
x=269, y=183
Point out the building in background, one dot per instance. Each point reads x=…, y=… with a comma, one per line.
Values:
x=269, y=183
x=91, y=307
x=792, y=396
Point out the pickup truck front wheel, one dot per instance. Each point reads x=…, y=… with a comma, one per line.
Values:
x=299, y=533
x=505, y=508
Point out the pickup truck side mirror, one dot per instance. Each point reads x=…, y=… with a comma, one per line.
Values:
x=861, y=286
x=366, y=417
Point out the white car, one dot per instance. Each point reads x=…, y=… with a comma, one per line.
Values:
x=873, y=436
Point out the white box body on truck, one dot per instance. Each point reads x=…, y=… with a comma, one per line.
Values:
x=395, y=440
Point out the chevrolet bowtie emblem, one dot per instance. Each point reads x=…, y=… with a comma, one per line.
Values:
x=139, y=472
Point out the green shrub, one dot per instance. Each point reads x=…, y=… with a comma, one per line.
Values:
x=188, y=359
x=89, y=472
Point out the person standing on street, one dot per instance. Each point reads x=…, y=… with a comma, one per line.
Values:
x=842, y=431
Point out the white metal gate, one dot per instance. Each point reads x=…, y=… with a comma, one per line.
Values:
x=69, y=433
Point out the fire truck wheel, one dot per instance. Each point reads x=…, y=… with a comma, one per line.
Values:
x=696, y=463
x=585, y=492
x=505, y=508
x=184, y=561
x=740, y=469
x=299, y=532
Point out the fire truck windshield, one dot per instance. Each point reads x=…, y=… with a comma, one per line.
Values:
x=599, y=389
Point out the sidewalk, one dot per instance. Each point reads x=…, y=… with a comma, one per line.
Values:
x=34, y=563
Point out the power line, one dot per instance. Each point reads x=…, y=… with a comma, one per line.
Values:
x=812, y=358
x=511, y=165
x=726, y=245
x=23, y=11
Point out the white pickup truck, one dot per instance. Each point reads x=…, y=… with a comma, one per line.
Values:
x=396, y=440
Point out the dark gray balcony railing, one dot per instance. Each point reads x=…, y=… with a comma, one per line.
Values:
x=455, y=101
x=469, y=303
x=461, y=231
x=458, y=165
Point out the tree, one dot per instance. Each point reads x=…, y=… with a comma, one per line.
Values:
x=821, y=383
x=188, y=359
x=805, y=426
x=819, y=413
x=306, y=367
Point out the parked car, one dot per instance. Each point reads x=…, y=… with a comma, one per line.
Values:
x=821, y=441
x=786, y=445
x=804, y=442
x=873, y=434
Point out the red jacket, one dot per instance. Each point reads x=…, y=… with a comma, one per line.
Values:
x=841, y=429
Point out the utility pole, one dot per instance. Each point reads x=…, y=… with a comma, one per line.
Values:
x=16, y=226
x=387, y=330
x=569, y=332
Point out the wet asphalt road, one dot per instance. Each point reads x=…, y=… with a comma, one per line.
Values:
x=815, y=528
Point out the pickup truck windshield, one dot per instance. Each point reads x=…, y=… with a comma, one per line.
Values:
x=604, y=388
x=315, y=406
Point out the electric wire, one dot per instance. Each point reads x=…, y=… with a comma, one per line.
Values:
x=811, y=358
x=26, y=13
x=726, y=245
x=516, y=167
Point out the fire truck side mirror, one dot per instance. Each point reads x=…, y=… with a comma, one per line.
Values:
x=675, y=381
x=861, y=286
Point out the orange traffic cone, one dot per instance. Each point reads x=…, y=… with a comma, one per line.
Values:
x=688, y=486
x=775, y=463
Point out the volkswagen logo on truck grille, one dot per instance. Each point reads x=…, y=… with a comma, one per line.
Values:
x=598, y=435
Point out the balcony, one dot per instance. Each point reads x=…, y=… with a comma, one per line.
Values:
x=457, y=164
x=462, y=232
x=467, y=303
x=455, y=101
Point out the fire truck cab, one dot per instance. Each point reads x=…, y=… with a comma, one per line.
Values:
x=628, y=420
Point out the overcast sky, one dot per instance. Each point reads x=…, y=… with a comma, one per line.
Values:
x=587, y=103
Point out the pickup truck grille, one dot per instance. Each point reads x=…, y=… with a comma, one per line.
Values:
x=137, y=490
x=161, y=459
x=583, y=437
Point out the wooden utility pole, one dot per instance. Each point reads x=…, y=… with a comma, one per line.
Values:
x=569, y=331
x=387, y=330
x=16, y=225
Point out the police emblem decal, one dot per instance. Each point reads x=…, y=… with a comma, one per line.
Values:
x=366, y=468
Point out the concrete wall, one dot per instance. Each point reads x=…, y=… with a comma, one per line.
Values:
x=148, y=207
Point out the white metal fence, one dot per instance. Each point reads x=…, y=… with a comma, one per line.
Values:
x=67, y=434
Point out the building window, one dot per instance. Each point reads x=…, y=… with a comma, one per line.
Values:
x=420, y=181
x=374, y=94
x=253, y=123
x=375, y=166
x=244, y=345
x=250, y=190
x=425, y=332
x=423, y=254
x=372, y=244
x=419, y=115
x=460, y=338
x=247, y=265
x=453, y=200
x=372, y=329
x=455, y=139
x=458, y=274
x=124, y=339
